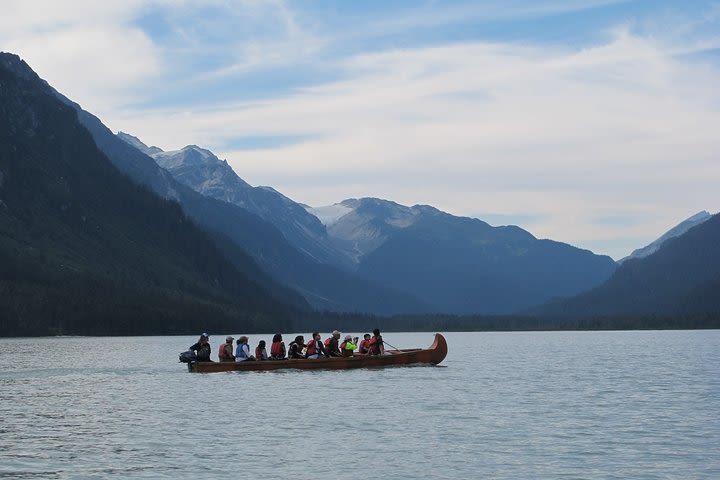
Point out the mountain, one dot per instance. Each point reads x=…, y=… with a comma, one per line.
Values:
x=460, y=265
x=676, y=231
x=681, y=278
x=238, y=230
x=205, y=173
x=85, y=250
x=381, y=242
x=135, y=142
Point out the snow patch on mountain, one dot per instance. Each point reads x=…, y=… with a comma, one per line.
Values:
x=191, y=155
x=676, y=231
x=137, y=143
x=329, y=214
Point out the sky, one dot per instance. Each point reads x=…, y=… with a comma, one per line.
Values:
x=592, y=122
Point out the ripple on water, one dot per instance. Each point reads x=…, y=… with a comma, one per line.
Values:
x=504, y=405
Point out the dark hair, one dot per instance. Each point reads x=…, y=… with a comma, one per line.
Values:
x=277, y=338
x=202, y=337
x=376, y=332
x=299, y=339
x=261, y=344
x=366, y=336
x=315, y=333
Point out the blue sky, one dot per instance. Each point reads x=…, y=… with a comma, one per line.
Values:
x=589, y=122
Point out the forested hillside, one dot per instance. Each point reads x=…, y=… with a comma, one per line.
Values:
x=85, y=250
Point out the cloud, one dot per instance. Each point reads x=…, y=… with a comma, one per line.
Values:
x=88, y=50
x=566, y=135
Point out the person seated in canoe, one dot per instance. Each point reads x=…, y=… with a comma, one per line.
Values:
x=331, y=345
x=315, y=347
x=225, y=350
x=277, y=349
x=242, y=353
x=260, y=351
x=376, y=345
x=348, y=346
x=295, y=349
x=364, y=345
x=202, y=348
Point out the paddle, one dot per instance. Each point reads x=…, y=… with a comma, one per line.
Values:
x=390, y=345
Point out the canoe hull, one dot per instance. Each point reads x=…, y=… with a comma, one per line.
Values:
x=430, y=356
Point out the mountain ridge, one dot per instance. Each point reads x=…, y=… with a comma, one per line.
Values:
x=681, y=278
x=675, y=231
x=85, y=250
x=323, y=285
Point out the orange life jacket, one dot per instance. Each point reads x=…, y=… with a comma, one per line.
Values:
x=222, y=352
x=277, y=350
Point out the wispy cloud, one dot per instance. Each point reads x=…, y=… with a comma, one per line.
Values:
x=568, y=134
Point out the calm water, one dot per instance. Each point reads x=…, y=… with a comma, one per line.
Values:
x=503, y=405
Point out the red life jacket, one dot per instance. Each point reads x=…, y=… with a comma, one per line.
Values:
x=258, y=353
x=342, y=345
x=311, y=348
x=364, y=346
x=374, y=345
x=222, y=352
x=277, y=350
x=327, y=341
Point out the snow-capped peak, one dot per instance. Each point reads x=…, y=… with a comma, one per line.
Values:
x=190, y=155
x=329, y=214
x=676, y=231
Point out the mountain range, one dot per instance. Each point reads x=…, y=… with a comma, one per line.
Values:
x=239, y=232
x=455, y=264
x=100, y=233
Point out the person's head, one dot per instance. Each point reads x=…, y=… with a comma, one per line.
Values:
x=261, y=344
x=277, y=338
x=366, y=336
x=229, y=339
x=204, y=338
x=348, y=338
x=300, y=339
x=316, y=336
x=242, y=339
x=376, y=332
x=336, y=334
x=355, y=339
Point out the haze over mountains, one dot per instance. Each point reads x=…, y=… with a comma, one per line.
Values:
x=100, y=233
x=457, y=265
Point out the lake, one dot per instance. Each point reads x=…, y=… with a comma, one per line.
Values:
x=635, y=404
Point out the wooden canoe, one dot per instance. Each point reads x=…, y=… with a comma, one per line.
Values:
x=411, y=356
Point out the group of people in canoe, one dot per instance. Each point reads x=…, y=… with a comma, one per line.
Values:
x=297, y=349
